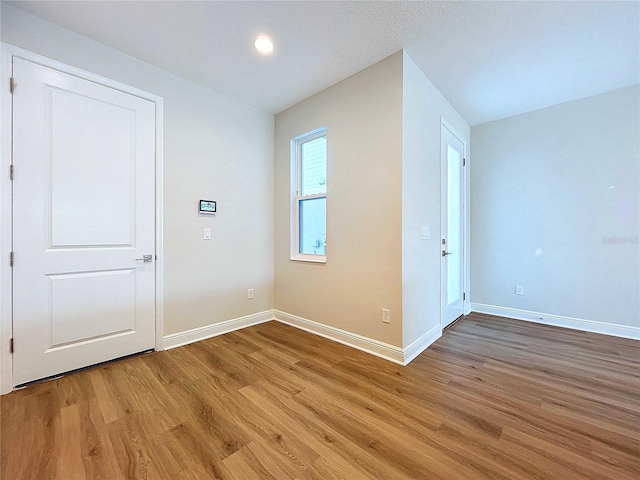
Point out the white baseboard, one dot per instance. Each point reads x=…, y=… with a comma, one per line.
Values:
x=208, y=331
x=380, y=349
x=366, y=344
x=559, y=321
x=421, y=344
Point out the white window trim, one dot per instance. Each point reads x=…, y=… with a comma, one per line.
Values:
x=296, y=149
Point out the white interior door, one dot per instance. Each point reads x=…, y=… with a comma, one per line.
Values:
x=83, y=214
x=452, y=242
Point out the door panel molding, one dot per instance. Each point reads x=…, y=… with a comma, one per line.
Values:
x=8, y=52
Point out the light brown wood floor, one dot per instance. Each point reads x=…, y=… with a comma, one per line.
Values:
x=493, y=398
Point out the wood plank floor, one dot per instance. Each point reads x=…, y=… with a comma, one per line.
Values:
x=493, y=398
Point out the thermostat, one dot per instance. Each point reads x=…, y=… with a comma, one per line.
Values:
x=207, y=206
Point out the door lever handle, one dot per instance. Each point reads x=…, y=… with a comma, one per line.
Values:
x=145, y=258
x=444, y=254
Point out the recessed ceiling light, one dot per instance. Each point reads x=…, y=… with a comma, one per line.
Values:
x=263, y=44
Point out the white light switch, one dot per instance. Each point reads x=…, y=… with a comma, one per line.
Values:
x=426, y=233
x=207, y=234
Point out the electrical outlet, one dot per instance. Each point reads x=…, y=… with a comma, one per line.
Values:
x=250, y=294
x=386, y=315
x=519, y=290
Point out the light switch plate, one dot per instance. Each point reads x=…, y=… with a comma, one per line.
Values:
x=207, y=234
x=426, y=233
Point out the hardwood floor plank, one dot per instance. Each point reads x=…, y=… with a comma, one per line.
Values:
x=70, y=460
x=105, y=399
x=492, y=399
x=240, y=468
x=97, y=453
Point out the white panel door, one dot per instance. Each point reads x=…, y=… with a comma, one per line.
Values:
x=83, y=213
x=452, y=278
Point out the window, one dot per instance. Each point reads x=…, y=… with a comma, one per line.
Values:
x=309, y=196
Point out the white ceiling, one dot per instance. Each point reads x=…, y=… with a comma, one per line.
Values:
x=489, y=59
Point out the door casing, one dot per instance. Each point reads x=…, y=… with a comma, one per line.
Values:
x=6, y=207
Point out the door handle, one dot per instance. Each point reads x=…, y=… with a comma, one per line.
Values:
x=145, y=258
x=444, y=254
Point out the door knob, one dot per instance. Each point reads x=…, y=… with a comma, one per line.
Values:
x=145, y=258
x=444, y=254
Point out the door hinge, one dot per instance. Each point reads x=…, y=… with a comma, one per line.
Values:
x=11, y=259
x=464, y=162
x=12, y=85
x=11, y=346
x=11, y=172
x=464, y=296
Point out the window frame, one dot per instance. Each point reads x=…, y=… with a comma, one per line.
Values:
x=296, y=199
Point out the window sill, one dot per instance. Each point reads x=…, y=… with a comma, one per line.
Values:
x=310, y=259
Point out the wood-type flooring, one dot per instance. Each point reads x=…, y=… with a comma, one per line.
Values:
x=492, y=399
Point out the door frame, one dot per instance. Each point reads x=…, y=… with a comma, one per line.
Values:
x=6, y=196
x=466, y=214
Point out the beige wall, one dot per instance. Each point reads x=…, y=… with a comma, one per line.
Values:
x=423, y=108
x=214, y=148
x=363, y=117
